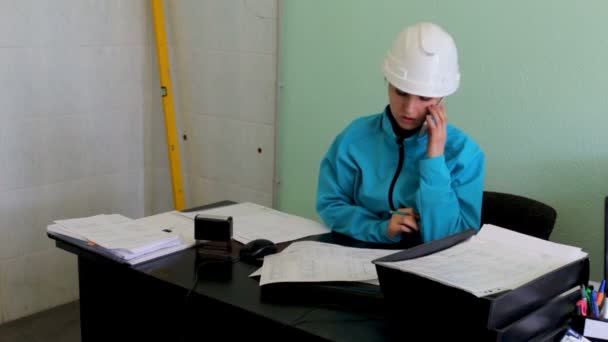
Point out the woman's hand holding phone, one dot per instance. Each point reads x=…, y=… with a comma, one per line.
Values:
x=436, y=122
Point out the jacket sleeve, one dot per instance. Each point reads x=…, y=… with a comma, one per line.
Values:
x=450, y=202
x=336, y=202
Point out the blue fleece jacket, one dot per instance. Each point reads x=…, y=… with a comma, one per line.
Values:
x=356, y=175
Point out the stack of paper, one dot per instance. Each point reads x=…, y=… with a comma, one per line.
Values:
x=252, y=221
x=132, y=241
x=492, y=261
x=135, y=241
x=312, y=261
x=79, y=227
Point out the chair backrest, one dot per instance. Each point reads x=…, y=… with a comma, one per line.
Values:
x=605, y=237
x=518, y=213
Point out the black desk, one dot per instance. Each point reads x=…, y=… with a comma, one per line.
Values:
x=147, y=302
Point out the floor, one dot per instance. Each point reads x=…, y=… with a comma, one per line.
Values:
x=60, y=324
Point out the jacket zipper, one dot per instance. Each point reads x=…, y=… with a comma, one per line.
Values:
x=400, y=141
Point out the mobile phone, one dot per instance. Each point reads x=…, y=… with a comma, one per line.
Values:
x=423, y=129
x=425, y=125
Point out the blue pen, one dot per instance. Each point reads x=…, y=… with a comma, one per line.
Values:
x=596, y=311
x=402, y=213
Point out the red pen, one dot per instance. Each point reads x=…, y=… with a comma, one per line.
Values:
x=581, y=304
x=582, y=307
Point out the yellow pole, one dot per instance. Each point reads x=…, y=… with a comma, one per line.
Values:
x=167, y=97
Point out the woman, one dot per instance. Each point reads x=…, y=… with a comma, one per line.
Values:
x=405, y=173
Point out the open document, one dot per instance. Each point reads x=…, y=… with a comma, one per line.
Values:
x=492, y=261
x=253, y=221
x=311, y=261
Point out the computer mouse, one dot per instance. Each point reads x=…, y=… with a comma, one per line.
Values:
x=255, y=251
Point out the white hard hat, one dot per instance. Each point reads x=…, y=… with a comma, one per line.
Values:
x=423, y=61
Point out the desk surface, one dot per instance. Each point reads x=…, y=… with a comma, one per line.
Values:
x=231, y=289
x=244, y=293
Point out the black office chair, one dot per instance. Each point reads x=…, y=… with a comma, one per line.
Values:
x=606, y=237
x=518, y=213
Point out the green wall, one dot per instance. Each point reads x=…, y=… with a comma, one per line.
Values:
x=534, y=79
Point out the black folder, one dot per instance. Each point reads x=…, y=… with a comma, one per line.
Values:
x=545, y=320
x=443, y=311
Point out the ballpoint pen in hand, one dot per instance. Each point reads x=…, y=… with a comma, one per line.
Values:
x=404, y=213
